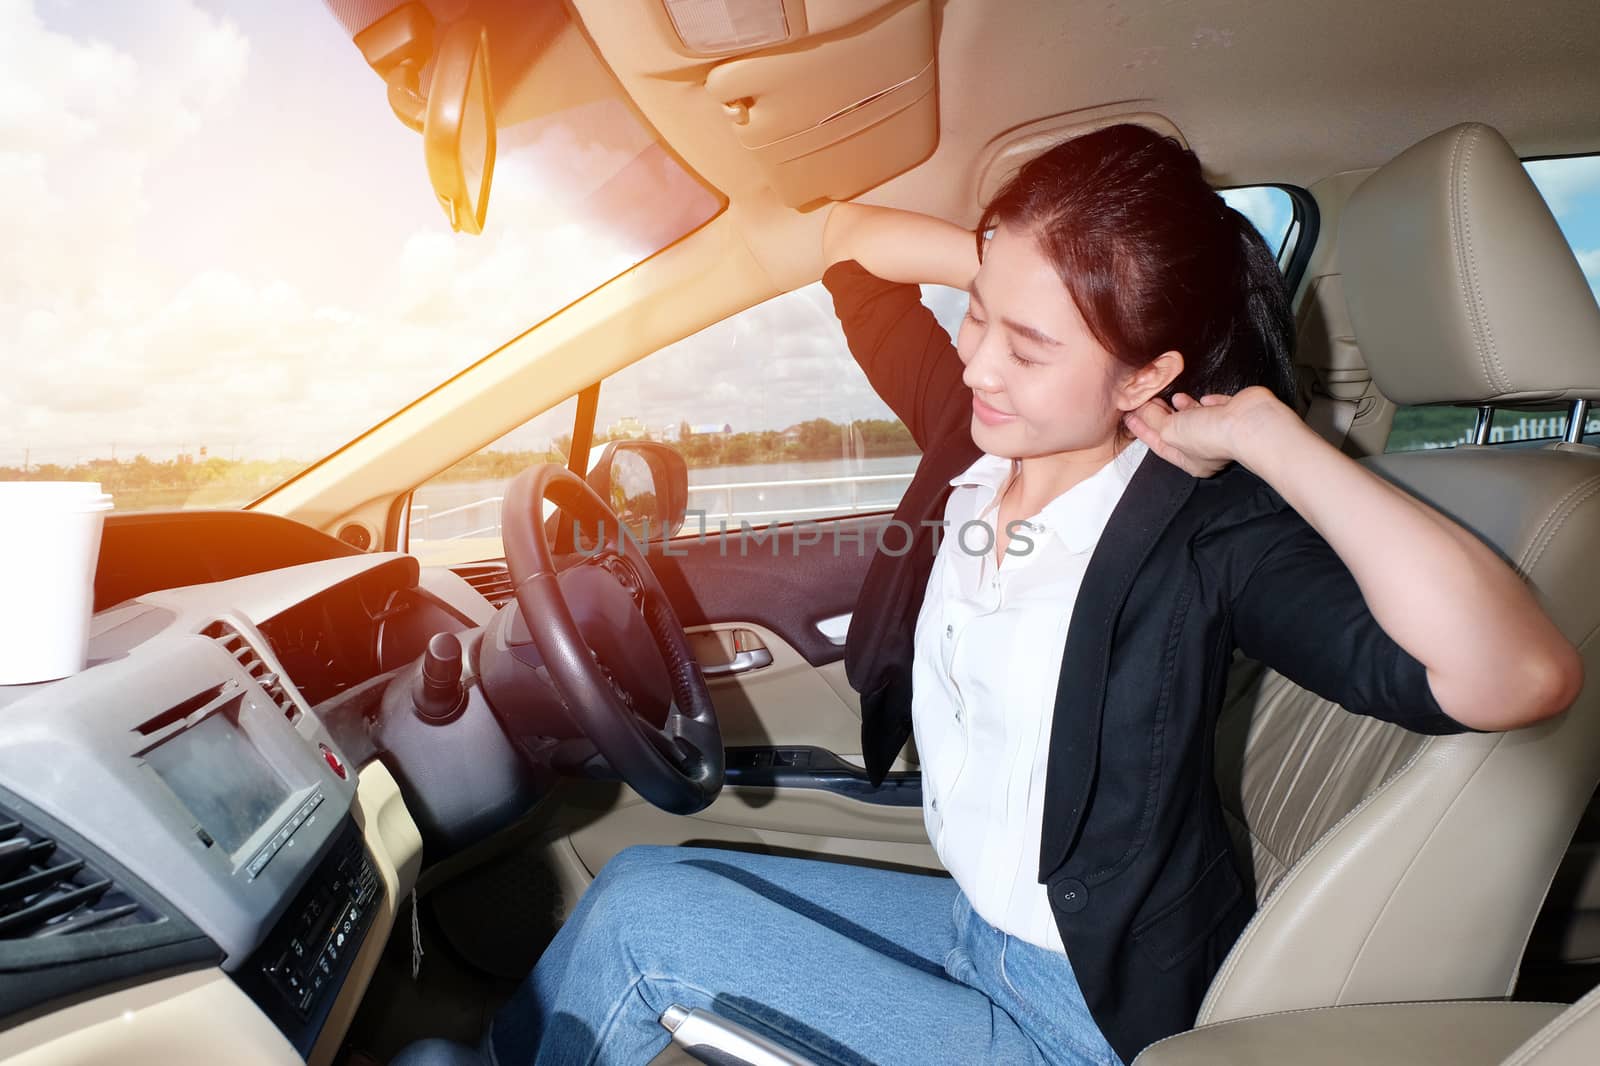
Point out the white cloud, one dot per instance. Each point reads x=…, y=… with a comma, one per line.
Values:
x=267, y=331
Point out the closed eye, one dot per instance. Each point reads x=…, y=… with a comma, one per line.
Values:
x=1015, y=358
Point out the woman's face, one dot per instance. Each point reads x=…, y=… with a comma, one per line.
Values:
x=1041, y=383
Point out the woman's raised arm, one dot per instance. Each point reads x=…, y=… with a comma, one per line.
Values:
x=900, y=245
x=1494, y=659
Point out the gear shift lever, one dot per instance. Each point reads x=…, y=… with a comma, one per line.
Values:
x=437, y=691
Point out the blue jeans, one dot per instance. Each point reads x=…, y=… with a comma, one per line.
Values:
x=843, y=964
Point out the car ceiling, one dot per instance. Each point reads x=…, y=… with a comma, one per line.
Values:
x=1286, y=92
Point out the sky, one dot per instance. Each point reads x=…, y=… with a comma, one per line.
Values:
x=217, y=235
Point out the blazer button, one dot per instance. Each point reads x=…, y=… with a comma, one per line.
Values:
x=1071, y=896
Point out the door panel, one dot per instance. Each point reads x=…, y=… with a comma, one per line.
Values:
x=785, y=579
x=787, y=703
x=771, y=590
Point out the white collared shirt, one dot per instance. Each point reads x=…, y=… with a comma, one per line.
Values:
x=989, y=642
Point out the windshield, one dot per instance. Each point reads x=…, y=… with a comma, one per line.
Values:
x=224, y=259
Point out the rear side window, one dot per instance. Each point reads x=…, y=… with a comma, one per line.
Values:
x=1571, y=186
x=1271, y=210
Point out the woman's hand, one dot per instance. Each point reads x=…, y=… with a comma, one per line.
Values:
x=1203, y=436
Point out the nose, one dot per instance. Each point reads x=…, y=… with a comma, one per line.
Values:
x=981, y=373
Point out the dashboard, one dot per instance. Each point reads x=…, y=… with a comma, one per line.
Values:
x=193, y=793
x=355, y=630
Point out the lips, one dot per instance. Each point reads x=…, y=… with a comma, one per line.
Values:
x=989, y=416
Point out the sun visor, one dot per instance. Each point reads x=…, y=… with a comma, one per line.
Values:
x=1004, y=155
x=841, y=113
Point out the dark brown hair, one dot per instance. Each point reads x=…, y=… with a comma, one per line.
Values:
x=1155, y=260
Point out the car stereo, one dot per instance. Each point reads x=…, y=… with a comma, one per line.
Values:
x=220, y=778
x=245, y=795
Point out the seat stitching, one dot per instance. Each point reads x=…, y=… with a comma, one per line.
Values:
x=1542, y=533
x=1301, y=725
x=1312, y=729
x=1294, y=872
x=1410, y=1004
x=1547, y=536
x=1557, y=1027
x=1467, y=263
x=1453, y=223
x=1400, y=880
x=1346, y=753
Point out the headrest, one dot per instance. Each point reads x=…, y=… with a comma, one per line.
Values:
x=1460, y=286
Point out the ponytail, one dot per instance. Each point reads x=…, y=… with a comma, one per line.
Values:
x=1265, y=327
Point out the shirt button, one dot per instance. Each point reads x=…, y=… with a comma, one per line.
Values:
x=949, y=631
x=934, y=803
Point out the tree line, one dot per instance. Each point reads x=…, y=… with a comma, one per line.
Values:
x=142, y=483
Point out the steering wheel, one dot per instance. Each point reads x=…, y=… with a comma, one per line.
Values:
x=612, y=645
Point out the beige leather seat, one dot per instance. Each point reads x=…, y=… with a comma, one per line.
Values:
x=1460, y=1033
x=1391, y=866
x=1572, y=1039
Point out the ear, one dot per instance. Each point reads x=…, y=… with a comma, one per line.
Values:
x=1148, y=381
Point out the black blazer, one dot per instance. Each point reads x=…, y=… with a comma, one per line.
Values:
x=1134, y=850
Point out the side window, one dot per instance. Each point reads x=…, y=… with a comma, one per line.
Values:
x=773, y=416
x=1271, y=210
x=455, y=515
x=1571, y=187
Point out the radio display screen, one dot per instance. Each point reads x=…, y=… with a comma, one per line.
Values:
x=219, y=775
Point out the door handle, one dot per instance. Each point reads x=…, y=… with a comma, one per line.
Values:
x=734, y=651
x=742, y=661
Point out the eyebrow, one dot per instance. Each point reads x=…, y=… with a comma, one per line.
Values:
x=1013, y=325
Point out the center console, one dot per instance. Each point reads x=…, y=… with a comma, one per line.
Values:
x=296, y=972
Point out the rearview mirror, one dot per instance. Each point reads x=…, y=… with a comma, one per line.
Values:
x=455, y=116
x=458, y=129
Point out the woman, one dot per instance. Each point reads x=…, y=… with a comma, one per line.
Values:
x=1062, y=652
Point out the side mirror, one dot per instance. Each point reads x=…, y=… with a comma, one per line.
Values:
x=458, y=130
x=646, y=483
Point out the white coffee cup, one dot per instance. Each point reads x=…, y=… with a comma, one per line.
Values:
x=49, y=544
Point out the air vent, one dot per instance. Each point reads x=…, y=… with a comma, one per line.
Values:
x=47, y=891
x=246, y=655
x=492, y=580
